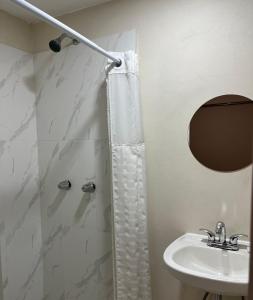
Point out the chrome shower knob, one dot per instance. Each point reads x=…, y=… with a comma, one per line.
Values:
x=89, y=187
x=64, y=185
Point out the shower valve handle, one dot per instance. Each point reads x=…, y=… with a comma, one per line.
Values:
x=89, y=187
x=64, y=185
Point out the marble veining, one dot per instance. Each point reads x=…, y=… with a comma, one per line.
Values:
x=73, y=144
x=20, y=217
x=55, y=245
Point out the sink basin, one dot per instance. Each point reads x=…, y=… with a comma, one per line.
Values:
x=214, y=270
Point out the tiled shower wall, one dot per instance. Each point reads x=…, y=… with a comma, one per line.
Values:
x=21, y=272
x=73, y=145
x=64, y=96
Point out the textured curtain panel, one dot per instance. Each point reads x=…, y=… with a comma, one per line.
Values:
x=131, y=255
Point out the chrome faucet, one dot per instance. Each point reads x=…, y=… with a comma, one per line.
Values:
x=220, y=231
x=219, y=239
x=210, y=234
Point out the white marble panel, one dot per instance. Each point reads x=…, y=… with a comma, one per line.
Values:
x=83, y=220
x=71, y=91
x=75, y=261
x=73, y=145
x=17, y=97
x=20, y=216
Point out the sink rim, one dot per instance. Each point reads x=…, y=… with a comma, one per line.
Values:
x=192, y=239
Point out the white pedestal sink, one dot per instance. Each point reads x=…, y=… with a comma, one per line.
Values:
x=214, y=270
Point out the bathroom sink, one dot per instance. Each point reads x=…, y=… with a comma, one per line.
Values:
x=214, y=270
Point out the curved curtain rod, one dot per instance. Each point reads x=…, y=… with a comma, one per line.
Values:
x=71, y=32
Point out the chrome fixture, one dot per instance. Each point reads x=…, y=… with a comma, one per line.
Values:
x=66, y=29
x=64, y=185
x=210, y=234
x=220, y=231
x=233, y=240
x=55, y=45
x=219, y=240
x=89, y=187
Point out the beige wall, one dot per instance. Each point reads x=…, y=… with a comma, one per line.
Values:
x=15, y=32
x=190, y=51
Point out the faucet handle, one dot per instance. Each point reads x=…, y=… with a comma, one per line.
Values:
x=219, y=226
x=210, y=234
x=233, y=240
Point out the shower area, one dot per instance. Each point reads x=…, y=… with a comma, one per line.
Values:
x=72, y=117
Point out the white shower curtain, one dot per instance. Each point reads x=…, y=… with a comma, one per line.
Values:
x=131, y=255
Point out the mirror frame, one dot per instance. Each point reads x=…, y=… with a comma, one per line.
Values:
x=227, y=109
x=250, y=296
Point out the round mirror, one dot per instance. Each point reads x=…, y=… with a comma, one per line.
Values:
x=220, y=135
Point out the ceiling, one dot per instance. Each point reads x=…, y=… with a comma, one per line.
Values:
x=53, y=7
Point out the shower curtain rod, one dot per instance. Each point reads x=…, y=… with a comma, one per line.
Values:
x=69, y=31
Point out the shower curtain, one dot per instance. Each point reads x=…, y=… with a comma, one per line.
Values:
x=131, y=255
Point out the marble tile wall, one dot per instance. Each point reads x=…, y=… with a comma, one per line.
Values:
x=21, y=258
x=73, y=144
